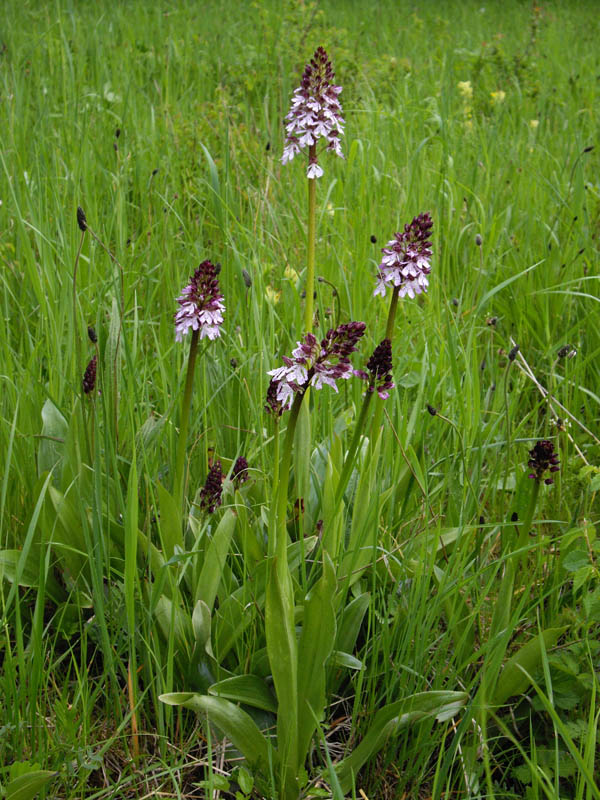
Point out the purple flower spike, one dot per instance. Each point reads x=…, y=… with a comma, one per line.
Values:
x=315, y=113
x=314, y=364
x=210, y=494
x=541, y=458
x=201, y=304
x=239, y=473
x=406, y=259
x=379, y=367
x=89, y=376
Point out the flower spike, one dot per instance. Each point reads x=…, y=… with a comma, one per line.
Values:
x=315, y=113
x=406, y=259
x=541, y=458
x=201, y=304
x=379, y=368
x=314, y=364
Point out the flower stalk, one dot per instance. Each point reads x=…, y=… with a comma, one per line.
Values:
x=310, y=252
x=200, y=311
x=179, y=482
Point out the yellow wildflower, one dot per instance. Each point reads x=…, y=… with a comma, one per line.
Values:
x=498, y=97
x=465, y=88
x=273, y=296
x=533, y=124
x=291, y=274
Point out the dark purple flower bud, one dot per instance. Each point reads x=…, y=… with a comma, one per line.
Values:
x=542, y=458
x=89, y=377
x=210, y=494
x=81, y=219
x=239, y=473
x=380, y=369
x=567, y=350
x=273, y=405
x=92, y=335
x=433, y=411
x=513, y=353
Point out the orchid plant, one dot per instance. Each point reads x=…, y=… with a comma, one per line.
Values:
x=300, y=663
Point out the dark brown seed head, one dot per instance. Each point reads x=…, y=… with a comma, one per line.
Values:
x=81, y=220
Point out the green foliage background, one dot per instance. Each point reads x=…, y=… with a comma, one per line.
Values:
x=164, y=122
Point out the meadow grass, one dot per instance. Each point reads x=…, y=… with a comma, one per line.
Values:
x=164, y=123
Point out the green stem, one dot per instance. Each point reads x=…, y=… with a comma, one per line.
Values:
x=526, y=524
x=351, y=456
x=273, y=518
x=310, y=255
x=179, y=482
x=389, y=334
x=389, y=330
x=280, y=547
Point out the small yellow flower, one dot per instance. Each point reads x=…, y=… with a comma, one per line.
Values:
x=273, y=296
x=498, y=97
x=330, y=209
x=291, y=274
x=465, y=88
x=533, y=124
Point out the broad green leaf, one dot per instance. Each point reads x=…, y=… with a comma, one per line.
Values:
x=53, y=437
x=249, y=689
x=390, y=719
x=315, y=646
x=513, y=678
x=201, y=623
x=233, y=615
x=68, y=538
x=575, y=560
x=364, y=529
x=333, y=517
x=24, y=570
x=283, y=658
x=214, y=560
x=169, y=615
x=237, y=725
x=26, y=787
x=350, y=621
x=340, y=659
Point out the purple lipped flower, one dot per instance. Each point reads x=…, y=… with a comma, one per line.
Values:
x=210, y=494
x=379, y=370
x=541, y=458
x=201, y=304
x=315, y=113
x=406, y=259
x=315, y=363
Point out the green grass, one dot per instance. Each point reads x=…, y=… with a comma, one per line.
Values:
x=197, y=93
